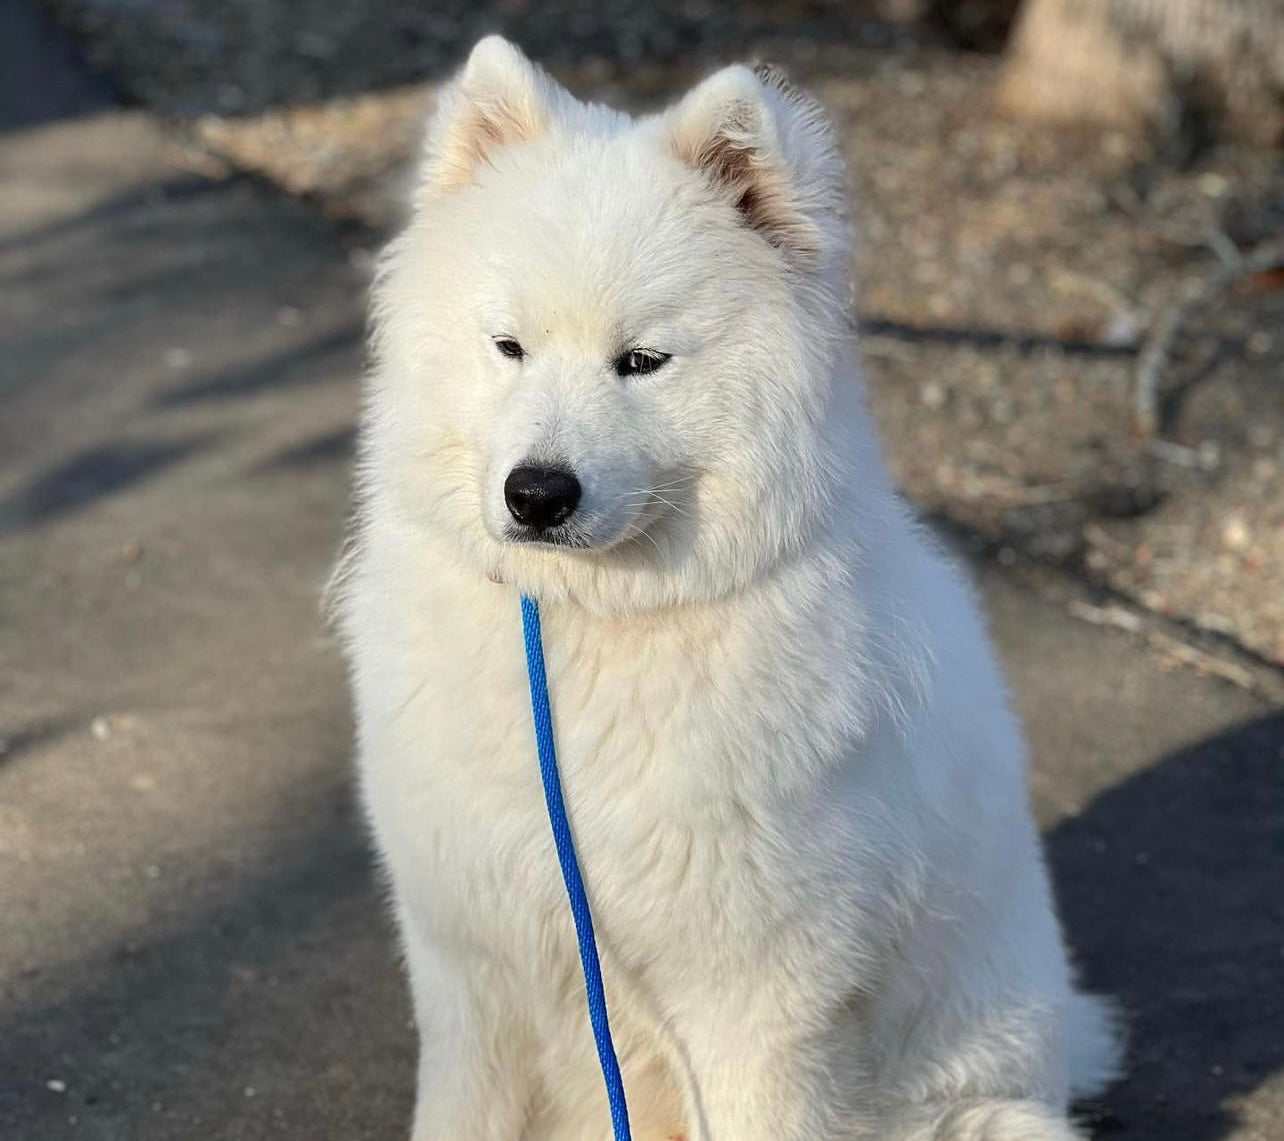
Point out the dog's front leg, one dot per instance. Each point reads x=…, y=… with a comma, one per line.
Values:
x=755, y=1085
x=473, y=1057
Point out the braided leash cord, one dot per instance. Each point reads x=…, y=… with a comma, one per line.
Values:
x=580, y=912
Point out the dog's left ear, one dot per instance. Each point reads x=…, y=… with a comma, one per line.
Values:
x=770, y=151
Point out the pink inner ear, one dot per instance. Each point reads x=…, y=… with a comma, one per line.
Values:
x=480, y=130
x=733, y=166
x=757, y=189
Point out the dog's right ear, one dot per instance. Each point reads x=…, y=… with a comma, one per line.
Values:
x=500, y=99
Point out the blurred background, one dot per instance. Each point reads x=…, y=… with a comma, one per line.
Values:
x=1071, y=296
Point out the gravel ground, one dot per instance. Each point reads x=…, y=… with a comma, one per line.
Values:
x=1009, y=274
x=189, y=57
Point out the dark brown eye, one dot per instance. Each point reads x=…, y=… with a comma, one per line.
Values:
x=510, y=348
x=639, y=362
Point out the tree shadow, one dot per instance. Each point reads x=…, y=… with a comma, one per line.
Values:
x=22, y=739
x=276, y=999
x=171, y=191
x=44, y=77
x=982, y=337
x=285, y=368
x=176, y=261
x=284, y=980
x=91, y=475
x=331, y=447
x=1172, y=888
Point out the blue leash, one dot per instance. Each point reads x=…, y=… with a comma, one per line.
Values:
x=571, y=869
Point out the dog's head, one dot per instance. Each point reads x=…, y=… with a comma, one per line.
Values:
x=605, y=346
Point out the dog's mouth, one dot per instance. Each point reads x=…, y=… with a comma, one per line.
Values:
x=596, y=531
x=575, y=536
x=566, y=536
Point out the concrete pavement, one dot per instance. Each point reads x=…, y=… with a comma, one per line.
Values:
x=192, y=942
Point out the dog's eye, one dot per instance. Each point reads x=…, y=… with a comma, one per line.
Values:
x=510, y=348
x=639, y=362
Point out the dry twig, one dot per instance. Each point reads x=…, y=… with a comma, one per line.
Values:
x=1231, y=268
x=1175, y=649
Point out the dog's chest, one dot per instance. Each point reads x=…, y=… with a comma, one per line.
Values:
x=682, y=768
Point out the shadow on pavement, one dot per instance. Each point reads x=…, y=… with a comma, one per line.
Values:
x=296, y=364
x=1172, y=887
x=119, y=208
x=273, y=1006
x=42, y=78
x=91, y=475
x=287, y=984
x=16, y=741
x=980, y=337
x=331, y=447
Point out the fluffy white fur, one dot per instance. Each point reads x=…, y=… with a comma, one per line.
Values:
x=796, y=787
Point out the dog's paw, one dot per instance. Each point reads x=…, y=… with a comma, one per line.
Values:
x=997, y=1120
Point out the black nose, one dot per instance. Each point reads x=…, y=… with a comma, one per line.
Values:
x=541, y=497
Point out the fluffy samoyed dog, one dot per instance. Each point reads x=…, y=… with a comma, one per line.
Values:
x=613, y=369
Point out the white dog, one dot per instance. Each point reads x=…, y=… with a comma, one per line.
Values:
x=613, y=370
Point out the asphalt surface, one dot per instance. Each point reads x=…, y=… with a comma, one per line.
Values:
x=193, y=943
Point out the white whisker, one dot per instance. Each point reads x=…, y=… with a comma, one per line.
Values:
x=671, y=505
x=632, y=532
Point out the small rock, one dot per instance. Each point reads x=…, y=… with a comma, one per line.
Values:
x=100, y=727
x=1261, y=436
x=1214, y=185
x=57, y=1085
x=1121, y=331
x=1116, y=144
x=1235, y=533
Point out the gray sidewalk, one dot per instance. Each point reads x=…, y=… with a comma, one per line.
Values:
x=193, y=943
